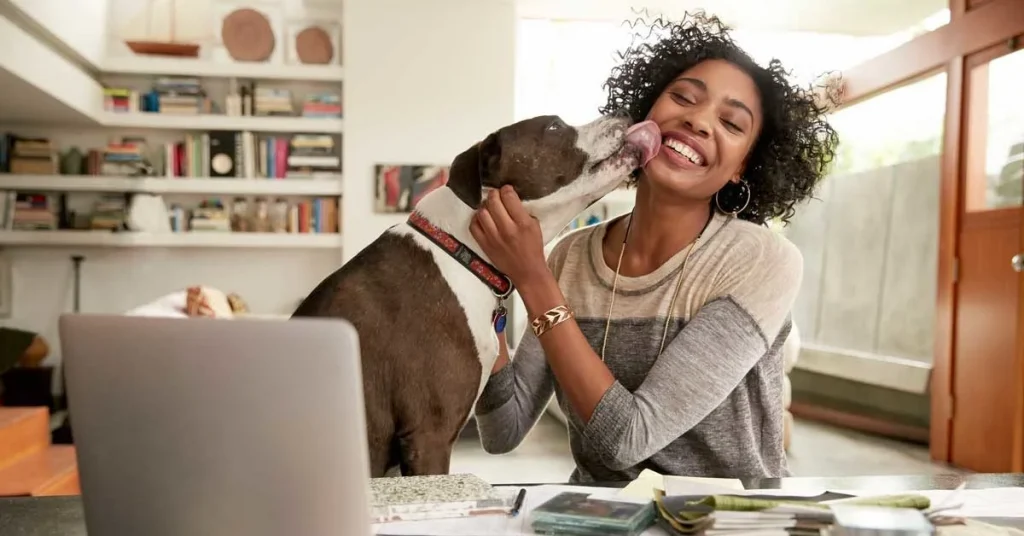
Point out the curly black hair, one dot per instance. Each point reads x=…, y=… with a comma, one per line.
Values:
x=796, y=143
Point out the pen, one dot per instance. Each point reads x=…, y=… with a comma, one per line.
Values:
x=519, y=502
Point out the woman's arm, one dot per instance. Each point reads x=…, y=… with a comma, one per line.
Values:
x=581, y=374
x=515, y=396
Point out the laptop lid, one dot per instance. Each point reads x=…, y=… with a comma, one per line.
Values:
x=206, y=426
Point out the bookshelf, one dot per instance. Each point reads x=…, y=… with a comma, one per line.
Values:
x=168, y=185
x=176, y=120
x=211, y=239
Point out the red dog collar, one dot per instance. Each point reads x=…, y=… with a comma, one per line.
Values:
x=499, y=283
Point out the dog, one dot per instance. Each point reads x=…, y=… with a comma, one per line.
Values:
x=424, y=298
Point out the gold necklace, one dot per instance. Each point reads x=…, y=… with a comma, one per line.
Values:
x=675, y=293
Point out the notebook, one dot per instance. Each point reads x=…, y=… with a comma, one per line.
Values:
x=410, y=498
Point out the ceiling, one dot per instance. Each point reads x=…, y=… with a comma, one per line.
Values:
x=24, y=103
x=852, y=17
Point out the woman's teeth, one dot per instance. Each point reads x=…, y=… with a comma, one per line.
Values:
x=684, y=150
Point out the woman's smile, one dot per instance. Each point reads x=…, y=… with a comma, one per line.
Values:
x=683, y=151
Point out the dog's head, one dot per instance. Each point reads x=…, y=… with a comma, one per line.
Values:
x=556, y=169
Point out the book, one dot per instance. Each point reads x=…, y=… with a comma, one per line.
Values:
x=413, y=498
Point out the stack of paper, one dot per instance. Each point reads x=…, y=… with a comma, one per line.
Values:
x=745, y=514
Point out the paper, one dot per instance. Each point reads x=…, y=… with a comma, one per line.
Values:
x=496, y=525
x=692, y=485
x=989, y=502
x=644, y=485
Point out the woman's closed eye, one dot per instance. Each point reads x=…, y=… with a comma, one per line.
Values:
x=732, y=126
x=684, y=98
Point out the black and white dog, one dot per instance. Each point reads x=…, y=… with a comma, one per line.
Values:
x=423, y=297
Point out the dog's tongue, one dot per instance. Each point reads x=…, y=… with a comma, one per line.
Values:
x=647, y=136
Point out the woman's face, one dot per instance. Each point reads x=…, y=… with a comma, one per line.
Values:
x=709, y=116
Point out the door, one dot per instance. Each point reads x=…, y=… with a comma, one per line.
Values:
x=988, y=372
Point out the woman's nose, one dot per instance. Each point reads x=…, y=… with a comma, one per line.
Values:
x=698, y=124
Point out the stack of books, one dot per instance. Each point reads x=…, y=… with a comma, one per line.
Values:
x=176, y=95
x=28, y=156
x=120, y=99
x=273, y=102
x=30, y=212
x=322, y=105
x=313, y=155
x=109, y=213
x=123, y=157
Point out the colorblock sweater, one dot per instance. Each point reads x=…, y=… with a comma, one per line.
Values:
x=710, y=404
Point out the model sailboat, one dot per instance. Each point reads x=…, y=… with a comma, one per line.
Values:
x=168, y=47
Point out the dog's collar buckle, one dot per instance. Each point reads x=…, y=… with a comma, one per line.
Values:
x=498, y=282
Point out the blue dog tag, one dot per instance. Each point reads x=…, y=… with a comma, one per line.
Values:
x=499, y=317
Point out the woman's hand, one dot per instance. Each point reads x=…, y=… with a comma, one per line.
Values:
x=510, y=236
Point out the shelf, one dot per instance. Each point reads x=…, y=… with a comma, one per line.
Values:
x=210, y=239
x=163, y=185
x=221, y=122
x=136, y=65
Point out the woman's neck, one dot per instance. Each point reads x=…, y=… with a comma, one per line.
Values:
x=660, y=229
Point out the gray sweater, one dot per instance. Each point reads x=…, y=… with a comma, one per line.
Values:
x=710, y=404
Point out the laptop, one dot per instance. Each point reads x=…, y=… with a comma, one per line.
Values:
x=206, y=426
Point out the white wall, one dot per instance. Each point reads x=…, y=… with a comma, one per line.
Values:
x=24, y=57
x=423, y=81
x=79, y=24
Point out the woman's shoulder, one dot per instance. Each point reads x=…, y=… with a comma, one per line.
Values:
x=744, y=243
x=756, y=263
x=760, y=271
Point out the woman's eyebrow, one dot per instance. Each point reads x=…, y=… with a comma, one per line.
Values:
x=735, y=103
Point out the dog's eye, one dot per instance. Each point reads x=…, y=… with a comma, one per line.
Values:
x=555, y=125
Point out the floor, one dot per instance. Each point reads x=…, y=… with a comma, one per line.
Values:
x=817, y=450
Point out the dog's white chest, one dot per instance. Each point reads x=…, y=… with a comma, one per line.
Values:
x=477, y=301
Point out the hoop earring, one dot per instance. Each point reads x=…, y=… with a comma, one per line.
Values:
x=744, y=189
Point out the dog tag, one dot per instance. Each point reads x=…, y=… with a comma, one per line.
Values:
x=498, y=318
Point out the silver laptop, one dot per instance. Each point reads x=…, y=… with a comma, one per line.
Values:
x=206, y=427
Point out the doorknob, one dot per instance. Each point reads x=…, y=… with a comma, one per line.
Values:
x=1018, y=262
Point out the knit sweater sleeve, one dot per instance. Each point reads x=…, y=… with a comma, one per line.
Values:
x=704, y=362
x=516, y=396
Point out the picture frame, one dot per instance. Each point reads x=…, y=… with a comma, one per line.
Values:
x=400, y=186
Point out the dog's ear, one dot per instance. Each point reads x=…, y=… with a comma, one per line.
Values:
x=473, y=169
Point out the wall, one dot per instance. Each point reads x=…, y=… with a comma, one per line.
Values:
x=866, y=310
x=46, y=71
x=423, y=81
x=79, y=25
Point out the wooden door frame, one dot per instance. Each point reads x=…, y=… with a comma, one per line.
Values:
x=974, y=25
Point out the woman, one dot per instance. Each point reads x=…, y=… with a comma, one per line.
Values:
x=660, y=332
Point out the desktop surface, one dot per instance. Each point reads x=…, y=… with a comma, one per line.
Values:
x=62, y=516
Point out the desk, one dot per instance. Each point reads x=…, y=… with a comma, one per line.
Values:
x=62, y=516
